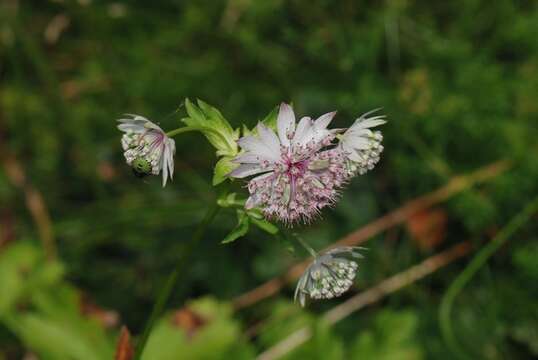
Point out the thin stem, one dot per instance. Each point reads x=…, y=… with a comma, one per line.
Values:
x=185, y=129
x=306, y=246
x=181, y=130
x=166, y=290
x=475, y=264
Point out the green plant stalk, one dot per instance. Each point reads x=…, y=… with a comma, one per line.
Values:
x=185, y=129
x=472, y=268
x=306, y=246
x=166, y=290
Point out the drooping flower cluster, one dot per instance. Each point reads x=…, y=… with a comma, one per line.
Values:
x=146, y=147
x=361, y=145
x=329, y=276
x=301, y=168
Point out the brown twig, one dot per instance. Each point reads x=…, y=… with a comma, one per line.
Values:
x=456, y=185
x=385, y=287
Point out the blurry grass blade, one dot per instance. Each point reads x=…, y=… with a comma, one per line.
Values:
x=445, y=309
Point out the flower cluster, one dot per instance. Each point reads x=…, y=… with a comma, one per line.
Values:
x=146, y=147
x=329, y=276
x=297, y=170
x=301, y=168
x=361, y=145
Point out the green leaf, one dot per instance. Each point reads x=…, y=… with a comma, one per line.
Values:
x=226, y=199
x=218, y=336
x=230, y=200
x=56, y=339
x=222, y=168
x=240, y=230
x=393, y=336
x=270, y=119
x=264, y=225
x=246, y=131
x=214, y=126
x=23, y=270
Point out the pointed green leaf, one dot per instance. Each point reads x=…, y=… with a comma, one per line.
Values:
x=214, y=126
x=265, y=225
x=270, y=119
x=240, y=230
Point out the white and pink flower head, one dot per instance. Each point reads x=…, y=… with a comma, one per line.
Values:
x=299, y=170
x=147, y=148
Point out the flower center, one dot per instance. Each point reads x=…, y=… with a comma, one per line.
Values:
x=295, y=169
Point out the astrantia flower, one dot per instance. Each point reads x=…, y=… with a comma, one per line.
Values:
x=362, y=146
x=298, y=174
x=329, y=276
x=146, y=147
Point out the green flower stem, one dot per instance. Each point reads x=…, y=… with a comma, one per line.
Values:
x=202, y=129
x=231, y=203
x=166, y=290
x=306, y=246
x=472, y=268
x=182, y=130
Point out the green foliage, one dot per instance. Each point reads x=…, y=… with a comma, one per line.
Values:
x=391, y=336
x=218, y=132
x=43, y=311
x=218, y=336
x=22, y=270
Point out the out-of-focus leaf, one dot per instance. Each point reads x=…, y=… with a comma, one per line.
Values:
x=23, y=269
x=391, y=337
x=217, y=336
x=55, y=338
x=51, y=323
x=287, y=318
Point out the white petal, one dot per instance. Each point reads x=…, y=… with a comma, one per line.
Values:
x=285, y=123
x=263, y=176
x=252, y=201
x=357, y=142
x=323, y=121
x=319, y=128
x=137, y=124
x=372, y=122
x=245, y=170
x=247, y=158
x=300, y=287
x=302, y=130
x=131, y=125
x=354, y=156
x=164, y=164
x=255, y=146
x=171, y=148
x=269, y=138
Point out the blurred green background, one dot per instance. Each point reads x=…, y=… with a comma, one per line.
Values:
x=458, y=81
